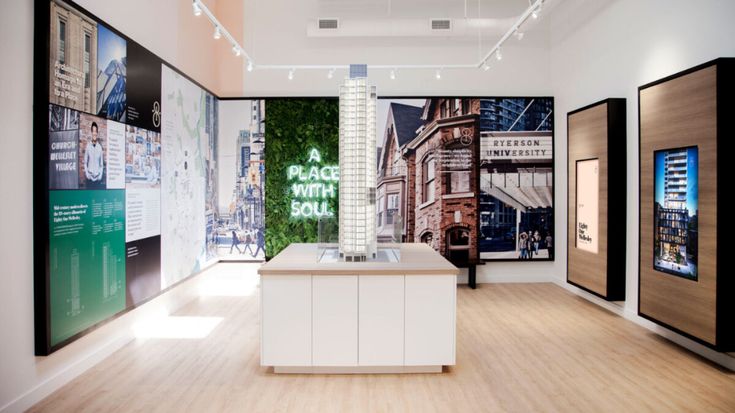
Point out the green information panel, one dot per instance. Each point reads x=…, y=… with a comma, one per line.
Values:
x=87, y=259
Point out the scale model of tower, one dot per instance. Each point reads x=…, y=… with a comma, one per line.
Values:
x=357, y=165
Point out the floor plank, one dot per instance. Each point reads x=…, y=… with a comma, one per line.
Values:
x=520, y=348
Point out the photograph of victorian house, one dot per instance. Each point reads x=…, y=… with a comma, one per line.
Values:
x=427, y=174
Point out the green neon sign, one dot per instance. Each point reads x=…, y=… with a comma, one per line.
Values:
x=313, y=185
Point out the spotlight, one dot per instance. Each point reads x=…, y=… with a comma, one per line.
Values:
x=393, y=74
x=217, y=33
x=290, y=74
x=519, y=35
x=536, y=12
x=438, y=74
x=236, y=51
x=498, y=54
x=485, y=66
x=330, y=74
x=250, y=66
x=196, y=8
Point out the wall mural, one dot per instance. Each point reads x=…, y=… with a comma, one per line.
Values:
x=302, y=157
x=472, y=177
x=129, y=197
x=239, y=229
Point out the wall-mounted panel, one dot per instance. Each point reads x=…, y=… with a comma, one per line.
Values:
x=125, y=160
x=596, y=215
x=685, y=142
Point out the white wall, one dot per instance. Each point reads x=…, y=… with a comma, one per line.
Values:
x=603, y=48
x=599, y=49
x=17, y=364
x=24, y=378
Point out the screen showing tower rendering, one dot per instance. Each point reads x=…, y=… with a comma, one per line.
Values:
x=676, y=211
x=516, y=179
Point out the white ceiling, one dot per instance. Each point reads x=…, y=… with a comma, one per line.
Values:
x=420, y=8
x=276, y=33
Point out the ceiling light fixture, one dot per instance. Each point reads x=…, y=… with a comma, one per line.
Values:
x=290, y=74
x=330, y=74
x=217, y=33
x=250, y=66
x=533, y=11
x=485, y=66
x=438, y=74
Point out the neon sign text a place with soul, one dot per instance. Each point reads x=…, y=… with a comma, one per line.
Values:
x=313, y=185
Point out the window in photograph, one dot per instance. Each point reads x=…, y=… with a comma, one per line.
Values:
x=392, y=208
x=427, y=238
x=429, y=172
x=458, y=182
x=87, y=51
x=62, y=41
x=466, y=107
x=380, y=211
x=458, y=244
x=457, y=107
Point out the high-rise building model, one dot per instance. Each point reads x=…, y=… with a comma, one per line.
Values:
x=357, y=165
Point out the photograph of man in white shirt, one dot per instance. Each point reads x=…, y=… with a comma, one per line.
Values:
x=94, y=165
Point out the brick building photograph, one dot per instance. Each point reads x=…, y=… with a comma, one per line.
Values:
x=428, y=173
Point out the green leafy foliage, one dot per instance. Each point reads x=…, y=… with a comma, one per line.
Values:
x=292, y=127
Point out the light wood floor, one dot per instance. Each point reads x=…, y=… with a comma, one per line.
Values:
x=520, y=347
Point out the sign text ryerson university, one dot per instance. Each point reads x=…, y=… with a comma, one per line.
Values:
x=313, y=185
x=516, y=146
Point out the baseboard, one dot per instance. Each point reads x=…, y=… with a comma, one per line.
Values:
x=61, y=378
x=88, y=351
x=726, y=360
x=509, y=279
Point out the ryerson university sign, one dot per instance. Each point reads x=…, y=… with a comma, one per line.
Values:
x=516, y=146
x=313, y=185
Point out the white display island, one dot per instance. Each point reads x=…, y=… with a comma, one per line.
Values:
x=358, y=317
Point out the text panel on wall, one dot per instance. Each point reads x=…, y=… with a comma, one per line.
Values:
x=111, y=119
x=596, y=142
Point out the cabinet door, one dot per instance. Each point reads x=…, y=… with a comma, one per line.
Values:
x=381, y=320
x=334, y=300
x=285, y=320
x=430, y=320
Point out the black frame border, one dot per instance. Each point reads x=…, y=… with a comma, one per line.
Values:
x=616, y=189
x=724, y=334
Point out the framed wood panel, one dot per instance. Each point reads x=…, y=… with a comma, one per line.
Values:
x=689, y=110
x=596, y=137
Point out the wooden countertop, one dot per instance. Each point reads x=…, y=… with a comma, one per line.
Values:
x=301, y=259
